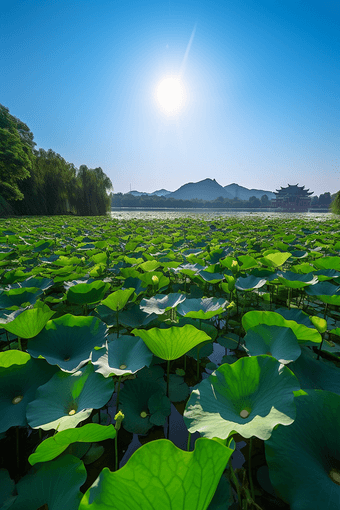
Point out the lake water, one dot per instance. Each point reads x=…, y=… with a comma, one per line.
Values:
x=210, y=214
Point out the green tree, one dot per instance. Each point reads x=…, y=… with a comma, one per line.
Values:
x=335, y=206
x=16, y=156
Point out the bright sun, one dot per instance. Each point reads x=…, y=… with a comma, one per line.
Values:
x=170, y=95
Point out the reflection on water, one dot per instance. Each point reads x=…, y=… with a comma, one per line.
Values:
x=209, y=214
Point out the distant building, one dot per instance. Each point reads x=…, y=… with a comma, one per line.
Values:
x=292, y=199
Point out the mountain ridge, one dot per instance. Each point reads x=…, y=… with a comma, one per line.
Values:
x=208, y=189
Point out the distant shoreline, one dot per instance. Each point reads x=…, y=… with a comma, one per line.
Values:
x=231, y=209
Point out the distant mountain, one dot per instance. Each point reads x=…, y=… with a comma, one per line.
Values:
x=208, y=189
x=242, y=193
x=159, y=193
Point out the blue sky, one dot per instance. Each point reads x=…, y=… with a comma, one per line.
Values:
x=262, y=83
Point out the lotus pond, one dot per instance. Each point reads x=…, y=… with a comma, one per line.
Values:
x=182, y=363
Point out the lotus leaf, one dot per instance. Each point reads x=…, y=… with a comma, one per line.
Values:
x=160, y=407
x=204, y=308
x=68, y=341
x=277, y=341
x=250, y=397
x=326, y=292
x=210, y=277
x=161, y=303
x=118, y=299
x=19, y=297
x=160, y=475
x=68, y=399
x=296, y=281
x=304, y=470
x=28, y=323
x=249, y=282
x=295, y=314
x=6, y=490
x=303, y=333
x=316, y=374
x=171, y=343
x=54, y=483
x=134, y=403
x=87, y=293
x=328, y=263
x=275, y=259
x=55, y=445
x=124, y=355
x=20, y=377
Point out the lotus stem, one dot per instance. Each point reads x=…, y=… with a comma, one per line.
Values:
x=116, y=451
x=198, y=364
x=118, y=390
x=189, y=442
x=17, y=447
x=117, y=314
x=185, y=363
x=237, y=485
x=322, y=339
x=167, y=378
x=19, y=342
x=249, y=469
x=325, y=312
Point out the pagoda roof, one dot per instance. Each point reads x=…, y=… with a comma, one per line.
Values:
x=293, y=189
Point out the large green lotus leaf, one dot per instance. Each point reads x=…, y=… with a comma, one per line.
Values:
x=277, y=341
x=54, y=483
x=160, y=475
x=204, y=308
x=295, y=280
x=134, y=317
x=19, y=297
x=294, y=314
x=171, y=343
x=316, y=374
x=68, y=341
x=304, y=468
x=68, y=399
x=161, y=303
x=55, y=445
x=258, y=388
x=275, y=259
x=20, y=377
x=160, y=407
x=37, y=282
x=134, y=403
x=87, y=293
x=118, y=299
x=6, y=490
x=249, y=282
x=210, y=277
x=30, y=322
x=326, y=292
x=248, y=262
x=328, y=263
x=124, y=355
x=178, y=389
x=209, y=329
x=327, y=274
x=303, y=334
x=149, y=265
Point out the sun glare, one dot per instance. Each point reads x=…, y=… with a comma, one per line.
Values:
x=170, y=95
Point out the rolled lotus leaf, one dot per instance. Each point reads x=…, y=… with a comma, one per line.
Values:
x=55, y=445
x=68, y=399
x=304, y=470
x=250, y=396
x=276, y=341
x=160, y=475
x=171, y=343
x=68, y=341
x=55, y=484
x=20, y=377
x=124, y=355
x=204, y=308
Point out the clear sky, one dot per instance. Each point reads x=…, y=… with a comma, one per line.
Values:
x=261, y=81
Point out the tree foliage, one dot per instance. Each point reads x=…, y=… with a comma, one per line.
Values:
x=35, y=182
